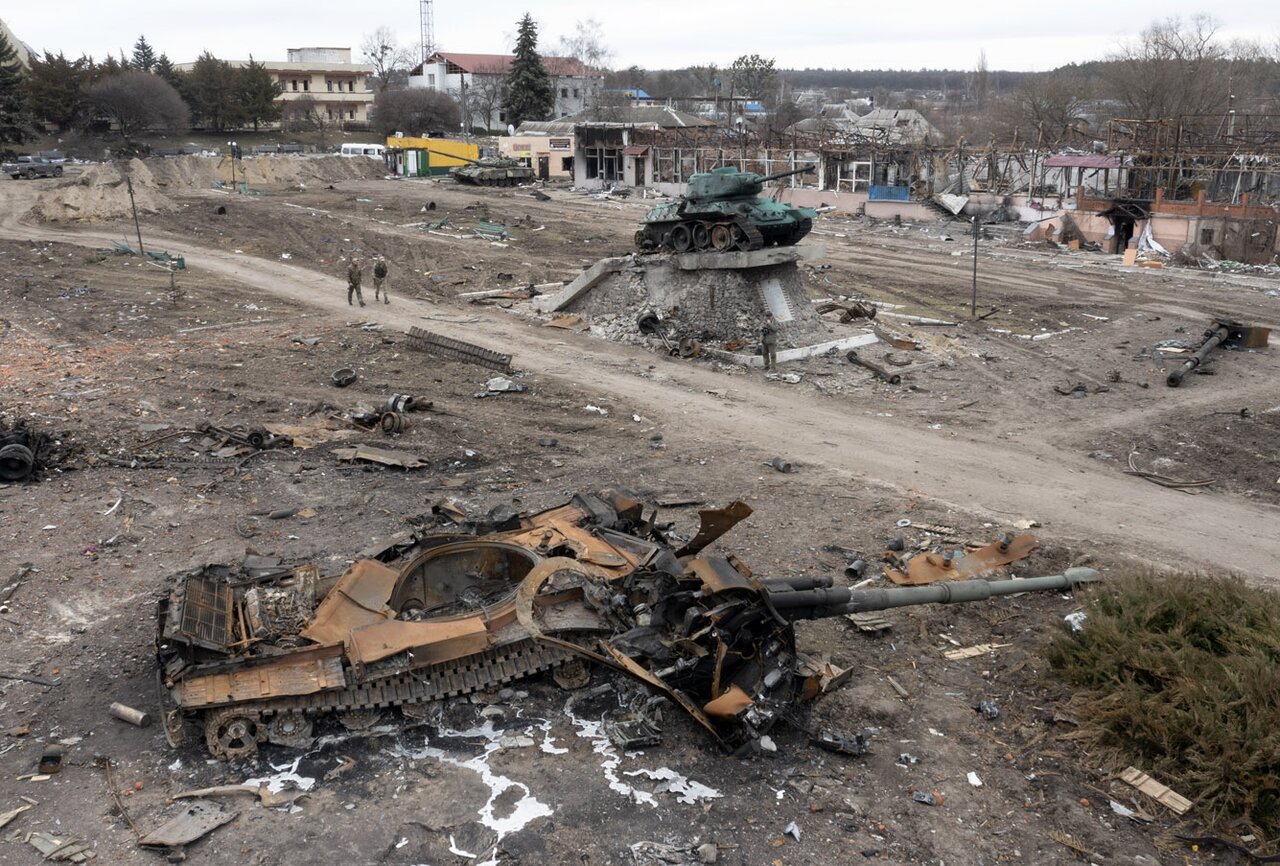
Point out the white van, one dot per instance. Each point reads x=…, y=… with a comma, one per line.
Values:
x=374, y=151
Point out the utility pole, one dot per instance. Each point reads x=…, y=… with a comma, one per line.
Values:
x=132, y=204
x=973, y=304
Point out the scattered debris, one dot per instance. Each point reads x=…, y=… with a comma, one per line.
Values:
x=6, y=817
x=369, y=454
x=344, y=377
x=854, y=745
x=988, y=709
x=974, y=780
x=973, y=651
x=60, y=849
x=928, y=798
x=880, y=372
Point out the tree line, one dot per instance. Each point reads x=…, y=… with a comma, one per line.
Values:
x=132, y=94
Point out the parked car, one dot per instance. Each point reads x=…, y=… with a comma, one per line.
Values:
x=32, y=167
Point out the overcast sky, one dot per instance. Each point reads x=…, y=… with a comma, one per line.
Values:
x=654, y=34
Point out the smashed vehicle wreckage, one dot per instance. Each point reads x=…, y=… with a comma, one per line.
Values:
x=467, y=606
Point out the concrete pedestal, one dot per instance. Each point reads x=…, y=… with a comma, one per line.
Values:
x=710, y=296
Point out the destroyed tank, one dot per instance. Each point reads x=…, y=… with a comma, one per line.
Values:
x=721, y=211
x=459, y=608
x=488, y=170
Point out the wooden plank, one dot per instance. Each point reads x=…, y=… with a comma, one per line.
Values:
x=1162, y=794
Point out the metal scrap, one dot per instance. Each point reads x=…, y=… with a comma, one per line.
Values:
x=382, y=456
x=196, y=820
x=956, y=564
x=457, y=349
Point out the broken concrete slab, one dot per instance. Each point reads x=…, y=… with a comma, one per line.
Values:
x=797, y=354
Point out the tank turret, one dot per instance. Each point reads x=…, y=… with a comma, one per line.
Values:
x=720, y=211
x=728, y=182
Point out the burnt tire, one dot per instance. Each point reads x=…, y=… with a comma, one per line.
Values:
x=16, y=462
x=57, y=172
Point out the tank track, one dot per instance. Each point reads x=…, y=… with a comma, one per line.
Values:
x=421, y=685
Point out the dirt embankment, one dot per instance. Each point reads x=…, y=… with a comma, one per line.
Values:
x=101, y=192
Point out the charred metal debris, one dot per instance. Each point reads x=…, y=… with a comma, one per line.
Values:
x=469, y=603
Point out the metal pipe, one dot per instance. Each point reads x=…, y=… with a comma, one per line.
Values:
x=792, y=584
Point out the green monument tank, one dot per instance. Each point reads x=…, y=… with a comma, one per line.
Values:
x=488, y=170
x=722, y=211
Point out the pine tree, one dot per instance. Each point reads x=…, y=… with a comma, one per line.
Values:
x=529, y=92
x=144, y=56
x=164, y=69
x=54, y=88
x=14, y=116
x=258, y=92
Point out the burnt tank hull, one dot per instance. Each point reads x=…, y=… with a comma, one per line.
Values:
x=251, y=658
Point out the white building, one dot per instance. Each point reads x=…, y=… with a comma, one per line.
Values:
x=478, y=82
x=322, y=80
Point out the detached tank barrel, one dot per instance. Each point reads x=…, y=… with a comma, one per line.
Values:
x=782, y=174
x=819, y=602
x=1214, y=337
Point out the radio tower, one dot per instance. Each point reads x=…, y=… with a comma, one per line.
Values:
x=427, y=12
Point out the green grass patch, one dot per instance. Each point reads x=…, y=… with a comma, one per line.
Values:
x=1180, y=677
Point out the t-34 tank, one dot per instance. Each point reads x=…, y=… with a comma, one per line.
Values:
x=721, y=211
x=598, y=581
x=488, y=170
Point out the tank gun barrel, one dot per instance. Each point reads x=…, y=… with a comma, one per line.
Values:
x=818, y=602
x=781, y=174
x=453, y=156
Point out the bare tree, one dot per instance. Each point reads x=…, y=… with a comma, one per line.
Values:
x=1049, y=105
x=136, y=101
x=415, y=111
x=488, y=93
x=587, y=45
x=391, y=62
x=1172, y=69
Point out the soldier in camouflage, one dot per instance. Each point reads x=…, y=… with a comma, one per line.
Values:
x=353, y=281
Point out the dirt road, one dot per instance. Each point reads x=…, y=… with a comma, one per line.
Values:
x=973, y=471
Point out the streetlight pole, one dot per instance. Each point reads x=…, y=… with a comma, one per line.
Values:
x=973, y=303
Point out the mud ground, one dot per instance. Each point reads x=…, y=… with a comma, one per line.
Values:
x=98, y=349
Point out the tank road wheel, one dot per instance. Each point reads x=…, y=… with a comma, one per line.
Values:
x=701, y=236
x=721, y=238
x=233, y=734
x=359, y=720
x=681, y=238
x=642, y=240
x=740, y=239
x=572, y=674
x=292, y=730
